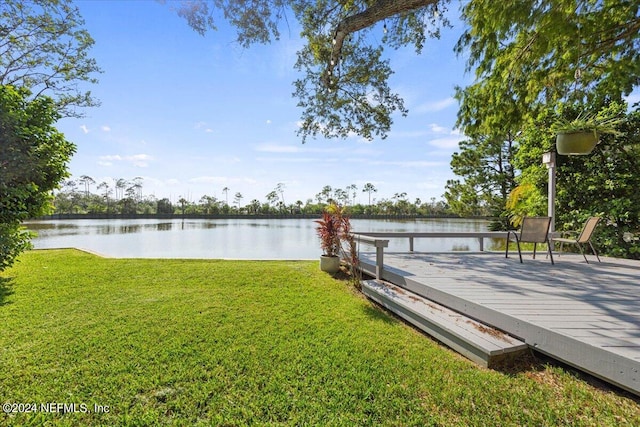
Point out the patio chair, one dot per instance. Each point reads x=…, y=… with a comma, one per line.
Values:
x=583, y=238
x=535, y=229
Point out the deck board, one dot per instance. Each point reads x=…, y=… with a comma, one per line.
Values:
x=587, y=315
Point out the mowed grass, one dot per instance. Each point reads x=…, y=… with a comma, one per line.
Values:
x=189, y=342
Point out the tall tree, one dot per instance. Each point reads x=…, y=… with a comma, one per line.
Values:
x=44, y=47
x=354, y=191
x=486, y=164
x=344, y=88
x=547, y=50
x=121, y=184
x=280, y=189
x=237, y=199
x=106, y=192
x=137, y=185
x=225, y=190
x=369, y=188
x=87, y=181
x=272, y=197
x=33, y=161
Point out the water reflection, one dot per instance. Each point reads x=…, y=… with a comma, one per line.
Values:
x=164, y=226
x=232, y=238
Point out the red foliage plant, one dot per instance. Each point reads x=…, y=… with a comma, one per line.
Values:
x=329, y=231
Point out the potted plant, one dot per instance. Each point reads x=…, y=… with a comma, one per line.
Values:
x=580, y=135
x=329, y=231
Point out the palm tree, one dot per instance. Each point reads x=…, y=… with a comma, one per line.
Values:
x=183, y=204
x=272, y=198
x=238, y=197
x=225, y=190
x=280, y=189
x=254, y=206
x=369, y=188
x=325, y=195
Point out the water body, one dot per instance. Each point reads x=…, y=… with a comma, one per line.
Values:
x=232, y=238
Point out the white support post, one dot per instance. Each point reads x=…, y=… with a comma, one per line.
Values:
x=379, y=262
x=549, y=159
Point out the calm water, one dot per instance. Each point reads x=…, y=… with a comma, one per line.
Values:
x=231, y=238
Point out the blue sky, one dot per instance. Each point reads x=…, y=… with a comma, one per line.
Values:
x=192, y=115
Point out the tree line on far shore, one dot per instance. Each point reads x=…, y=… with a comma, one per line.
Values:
x=126, y=197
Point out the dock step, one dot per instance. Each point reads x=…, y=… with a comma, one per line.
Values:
x=478, y=342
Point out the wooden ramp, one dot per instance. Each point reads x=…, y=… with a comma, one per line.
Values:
x=586, y=315
x=482, y=344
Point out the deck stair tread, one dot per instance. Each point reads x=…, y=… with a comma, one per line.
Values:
x=479, y=342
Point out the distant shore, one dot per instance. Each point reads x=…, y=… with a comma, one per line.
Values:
x=234, y=216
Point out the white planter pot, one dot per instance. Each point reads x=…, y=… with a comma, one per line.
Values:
x=330, y=264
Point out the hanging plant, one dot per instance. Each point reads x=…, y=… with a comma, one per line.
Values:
x=580, y=135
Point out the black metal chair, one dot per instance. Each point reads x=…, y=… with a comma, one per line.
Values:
x=535, y=229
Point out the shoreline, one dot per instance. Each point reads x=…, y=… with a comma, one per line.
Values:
x=240, y=216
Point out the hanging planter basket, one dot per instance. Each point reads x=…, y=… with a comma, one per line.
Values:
x=576, y=143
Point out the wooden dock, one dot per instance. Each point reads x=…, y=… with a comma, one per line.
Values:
x=586, y=315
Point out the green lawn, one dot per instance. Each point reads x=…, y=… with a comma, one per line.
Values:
x=188, y=342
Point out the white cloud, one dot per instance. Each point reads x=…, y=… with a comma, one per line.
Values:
x=447, y=142
x=433, y=185
x=268, y=122
x=431, y=107
x=210, y=180
x=105, y=128
x=138, y=160
x=222, y=180
x=437, y=128
x=433, y=128
x=203, y=126
x=276, y=148
x=85, y=129
x=409, y=134
x=294, y=159
x=109, y=158
x=404, y=163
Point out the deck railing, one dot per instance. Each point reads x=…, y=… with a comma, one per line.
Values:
x=380, y=240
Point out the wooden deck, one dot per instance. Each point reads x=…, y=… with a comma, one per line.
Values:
x=586, y=315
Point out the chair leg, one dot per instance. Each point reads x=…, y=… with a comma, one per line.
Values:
x=550, y=253
x=506, y=252
x=594, y=251
x=519, y=251
x=582, y=252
